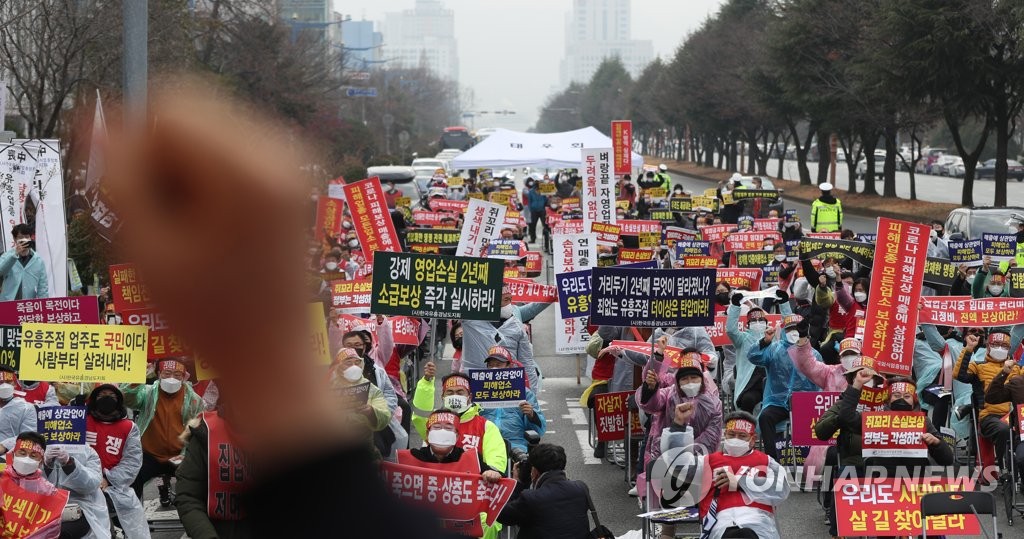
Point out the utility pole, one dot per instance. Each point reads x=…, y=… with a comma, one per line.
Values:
x=135, y=36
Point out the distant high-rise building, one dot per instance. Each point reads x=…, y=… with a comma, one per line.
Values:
x=599, y=29
x=423, y=37
x=363, y=45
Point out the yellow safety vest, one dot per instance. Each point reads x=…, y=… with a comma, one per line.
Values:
x=826, y=217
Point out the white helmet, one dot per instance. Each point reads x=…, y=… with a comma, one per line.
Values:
x=662, y=167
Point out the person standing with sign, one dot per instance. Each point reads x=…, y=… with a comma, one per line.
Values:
x=22, y=269
x=736, y=489
x=826, y=211
x=367, y=410
x=514, y=421
x=990, y=424
x=508, y=332
x=165, y=407
x=118, y=442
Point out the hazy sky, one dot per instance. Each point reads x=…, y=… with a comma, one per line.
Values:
x=510, y=51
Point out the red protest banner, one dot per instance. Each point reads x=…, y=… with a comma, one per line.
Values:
x=351, y=297
x=674, y=233
x=893, y=435
x=572, y=204
x=699, y=262
x=745, y=278
x=607, y=235
x=162, y=341
x=430, y=219
x=457, y=498
x=808, y=407
x=569, y=226
x=613, y=415
x=622, y=146
x=891, y=507
x=371, y=217
x=896, y=278
x=629, y=256
x=527, y=291
x=749, y=240
x=126, y=288
x=534, y=262
x=73, y=310
x=672, y=354
x=964, y=311
x=454, y=206
x=634, y=227
x=328, y=217
x=405, y=330
x=27, y=513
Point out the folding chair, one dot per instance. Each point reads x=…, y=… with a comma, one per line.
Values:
x=959, y=503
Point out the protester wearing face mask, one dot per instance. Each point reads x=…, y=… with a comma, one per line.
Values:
x=691, y=393
x=990, y=424
x=947, y=342
x=723, y=291
x=508, y=332
x=987, y=284
x=514, y=421
x=781, y=377
x=37, y=393
x=370, y=415
x=456, y=338
x=1008, y=388
x=24, y=471
x=736, y=489
x=849, y=310
x=475, y=431
x=903, y=398
x=395, y=437
x=118, y=442
x=16, y=415
x=750, y=379
x=77, y=469
x=164, y=407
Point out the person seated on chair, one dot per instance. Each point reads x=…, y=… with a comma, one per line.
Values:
x=23, y=475
x=1007, y=387
x=736, y=489
x=77, y=469
x=514, y=421
x=990, y=424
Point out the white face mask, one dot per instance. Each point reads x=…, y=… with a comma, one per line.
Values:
x=861, y=297
x=441, y=437
x=690, y=390
x=353, y=243
x=734, y=447
x=508, y=311
x=25, y=465
x=456, y=403
x=353, y=373
x=995, y=290
x=847, y=361
x=792, y=336
x=830, y=272
x=170, y=385
x=999, y=353
x=331, y=266
x=780, y=258
x=970, y=279
x=6, y=391
x=758, y=327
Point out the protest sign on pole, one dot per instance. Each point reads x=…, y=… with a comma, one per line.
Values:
x=73, y=310
x=1000, y=247
x=896, y=278
x=891, y=507
x=127, y=289
x=328, y=217
x=484, y=221
x=46, y=193
x=612, y=416
x=622, y=146
x=436, y=286
x=573, y=293
x=572, y=253
x=808, y=407
x=497, y=388
x=84, y=353
x=162, y=341
x=61, y=425
x=371, y=218
x=652, y=298
x=597, y=198
x=965, y=311
x=965, y=252
x=893, y=435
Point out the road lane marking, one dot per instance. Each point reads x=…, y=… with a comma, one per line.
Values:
x=588, y=452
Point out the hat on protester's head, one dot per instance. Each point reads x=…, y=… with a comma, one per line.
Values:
x=689, y=362
x=443, y=416
x=849, y=345
x=861, y=363
x=791, y=320
x=825, y=186
x=498, y=353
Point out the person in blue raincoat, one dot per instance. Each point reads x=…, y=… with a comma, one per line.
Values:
x=783, y=378
x=744, y=341
x=961, y=391
x=514, y=421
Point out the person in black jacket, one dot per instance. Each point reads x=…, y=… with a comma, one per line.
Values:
x=553, y=507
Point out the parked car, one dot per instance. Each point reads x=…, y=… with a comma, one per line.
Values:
x=403, y=178
x=939, y=166
x=766, y=184
x=1014, y=170
x=972, y=222
x=929, y=155
x=862, y=165
x=956, y=170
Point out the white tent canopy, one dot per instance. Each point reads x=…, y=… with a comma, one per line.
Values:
x=514, y=149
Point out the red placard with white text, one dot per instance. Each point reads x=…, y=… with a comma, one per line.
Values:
x=527, y=291
x=351, y=297
x=127, y=289
x=622, y=146
x=607, y=235
x=891, y=507
x=328, y=217
x=965, y=311
x=162, y=341
x=745, y=278
x=613, y=416
x=896, y=277
x=405, y=330
x=534, y=262
x=371, y=217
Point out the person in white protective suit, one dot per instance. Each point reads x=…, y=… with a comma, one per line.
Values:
x=118, y=442
x=77, y=469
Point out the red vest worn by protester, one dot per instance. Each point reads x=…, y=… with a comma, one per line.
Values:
x=228, y=471
x=754, y=463
x=471, y=434
x=107, y=439
x=469, y=462
x=35, y=396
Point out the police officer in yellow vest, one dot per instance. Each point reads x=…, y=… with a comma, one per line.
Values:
x=666, y=180
x=826, y=211
x=1016, y=224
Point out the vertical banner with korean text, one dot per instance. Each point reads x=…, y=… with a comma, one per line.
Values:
x=483, y=223
x=371, y=218
x=896, y=278
x=572, y=252
x=47, y=194
x=598, y=199
x=328, y=217
x=622, y=146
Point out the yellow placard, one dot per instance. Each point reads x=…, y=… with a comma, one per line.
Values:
x=713, y=193
x=650, y=239
x=84, y=353
x=456, y=181
x=710, y=203
x=624, y=204
x=656, y=192
x=318, y=334
x=204, y=371
x=478, y=196
x=499, y=197
x=546, y=188
x=727, y=198
x=403, y=202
